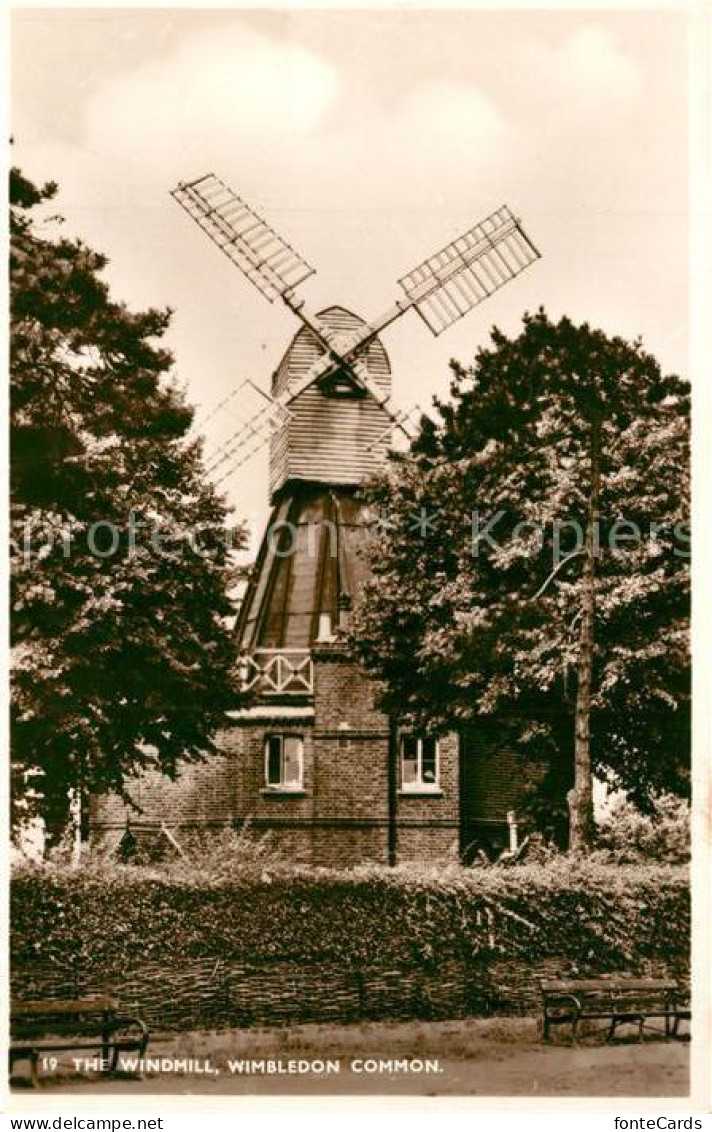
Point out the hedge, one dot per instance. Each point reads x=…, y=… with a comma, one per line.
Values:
x=111, y=919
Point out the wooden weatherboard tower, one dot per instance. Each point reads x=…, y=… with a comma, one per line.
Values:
x=312, y=759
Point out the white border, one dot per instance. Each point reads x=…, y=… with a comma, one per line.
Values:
x=179, y=1107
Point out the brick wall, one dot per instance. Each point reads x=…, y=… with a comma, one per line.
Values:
x=342, y=816
x=201, y=795
x=343, y=696
x=494, y=780
x=429, y=825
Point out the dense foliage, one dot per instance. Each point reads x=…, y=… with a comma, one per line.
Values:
x=626, y=835
x=110, y=918
x=474, y=613
x=121, y=652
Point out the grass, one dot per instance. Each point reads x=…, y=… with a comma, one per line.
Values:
x=444, y=1040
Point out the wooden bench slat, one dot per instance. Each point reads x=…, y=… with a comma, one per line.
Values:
x=617, y=1002
x=59, y=1024
x=55, y=1030
x=58, y=1006
x=19, y=1047
x=622, y=1001
x=573, y=986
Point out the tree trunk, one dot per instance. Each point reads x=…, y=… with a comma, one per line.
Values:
x=580, y=798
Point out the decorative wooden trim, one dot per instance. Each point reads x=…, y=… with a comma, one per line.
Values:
x=277, y=672
x=271, y=713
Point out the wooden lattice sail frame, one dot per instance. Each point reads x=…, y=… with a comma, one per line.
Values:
x=442, y=289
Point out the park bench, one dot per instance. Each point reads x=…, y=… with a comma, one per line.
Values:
x=54, y=1025
x=618, y=1001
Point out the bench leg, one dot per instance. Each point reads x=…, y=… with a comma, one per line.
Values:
x=34, y=1068
x=611, y=1030
x=677, y=1018
x=574, y=1030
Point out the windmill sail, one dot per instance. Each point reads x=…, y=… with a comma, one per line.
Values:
x=442, y=289
x=261, y=254
x=447, y=285
x=246, y=420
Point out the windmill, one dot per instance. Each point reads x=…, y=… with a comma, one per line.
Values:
x=442, y=289
x=309, y=755
x=328, y=419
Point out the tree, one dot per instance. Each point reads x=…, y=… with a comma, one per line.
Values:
x=530, y=563
x=122, y=654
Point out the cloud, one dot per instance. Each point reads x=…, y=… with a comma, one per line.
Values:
x=292, y=129
x=596, y=66
x=218, y=85
x=581, y=81
x=459, y=111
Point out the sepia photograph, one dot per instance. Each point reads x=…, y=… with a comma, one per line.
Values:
x=350, y=555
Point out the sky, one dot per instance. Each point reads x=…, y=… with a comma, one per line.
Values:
x=368, y=139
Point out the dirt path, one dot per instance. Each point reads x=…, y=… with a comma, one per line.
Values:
x=654, y=1069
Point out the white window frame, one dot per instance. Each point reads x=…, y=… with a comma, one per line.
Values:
x=419, y=786
x=283, y=787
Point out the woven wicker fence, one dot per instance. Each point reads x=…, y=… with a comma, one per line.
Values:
x=216, y=994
